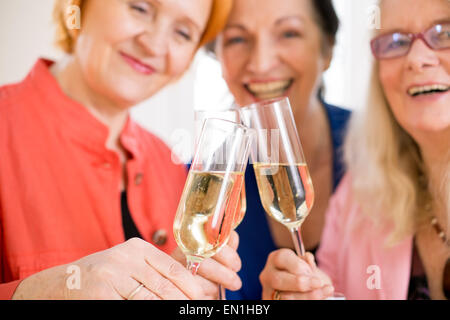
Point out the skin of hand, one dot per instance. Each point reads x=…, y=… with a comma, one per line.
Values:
x=115, y=273
x=222, y=268
x=294, y=277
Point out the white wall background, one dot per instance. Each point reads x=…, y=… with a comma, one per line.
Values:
x=26, y=33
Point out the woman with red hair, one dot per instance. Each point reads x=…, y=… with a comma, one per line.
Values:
x=78, y=177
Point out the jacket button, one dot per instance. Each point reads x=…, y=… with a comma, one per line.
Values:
x=107, y=165
x=159, y=237
x=138, y=179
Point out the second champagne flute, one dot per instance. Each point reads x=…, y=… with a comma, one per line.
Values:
x=282, y=176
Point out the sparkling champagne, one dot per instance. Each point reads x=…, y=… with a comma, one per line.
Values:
x=201, y=228
x=286, y=191
x=241, y=208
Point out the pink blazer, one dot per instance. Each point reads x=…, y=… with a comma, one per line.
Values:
x=352, y=252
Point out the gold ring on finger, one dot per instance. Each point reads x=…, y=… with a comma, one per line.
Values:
x=135, y=291
x=276, y=295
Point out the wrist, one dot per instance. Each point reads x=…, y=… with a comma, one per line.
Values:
x=46, y=284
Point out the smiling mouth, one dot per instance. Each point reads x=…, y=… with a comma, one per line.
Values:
x=428, y=90
x=269, y=90
x=137, y=65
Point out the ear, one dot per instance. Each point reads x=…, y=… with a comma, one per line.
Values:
x=327, y=53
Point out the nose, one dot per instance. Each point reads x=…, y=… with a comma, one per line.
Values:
x=421, y=56
x=154, y=42
x=263, y=56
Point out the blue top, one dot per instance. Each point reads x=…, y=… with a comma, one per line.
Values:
x=256, y=242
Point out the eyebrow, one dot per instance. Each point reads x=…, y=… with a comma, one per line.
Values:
x=444, y=20
x=283, y=19
x=187, y=17
x=278, y=22
x=235, y=25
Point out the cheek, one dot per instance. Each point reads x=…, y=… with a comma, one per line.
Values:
x=232, y=63
x=233, y=66
x=179, y=61
x=307, y=70
x=100, y=39
x=390, y=77
x=109, y=26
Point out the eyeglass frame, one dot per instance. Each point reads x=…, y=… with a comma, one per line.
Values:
x=412, y=36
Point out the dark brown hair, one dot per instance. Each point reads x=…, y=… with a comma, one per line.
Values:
x=327, y=18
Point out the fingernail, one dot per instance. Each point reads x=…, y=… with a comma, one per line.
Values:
x=237, y=283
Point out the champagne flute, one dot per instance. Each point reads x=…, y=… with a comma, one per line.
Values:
x=282, y=175
x=232, y=115
x=207, y=207
x=284, y=183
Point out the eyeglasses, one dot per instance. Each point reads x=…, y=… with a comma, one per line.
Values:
x=397, y=44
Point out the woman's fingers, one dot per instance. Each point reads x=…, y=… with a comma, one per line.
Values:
x=216, y=272
x=233, y=242
x=172, y=272
x=285, y=281
x=286, y=259
x=211, y=289
x=295, y=278
x=316, y=294
x=136, y=291
x=221, y=269
x=158, y=284
x=229, y=258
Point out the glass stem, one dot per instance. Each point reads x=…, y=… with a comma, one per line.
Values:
x=298, y=242
x=222, y=295
x=193, y=266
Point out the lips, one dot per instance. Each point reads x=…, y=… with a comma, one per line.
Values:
x=264, y=90
x=418, y=90
x=137, y=65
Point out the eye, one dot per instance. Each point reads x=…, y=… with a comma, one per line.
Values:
x=396, y=41
x=291, y=34
x=142, y=7
x=184, y=34
x=444, y=35
x=398, y=44
x=234, y=40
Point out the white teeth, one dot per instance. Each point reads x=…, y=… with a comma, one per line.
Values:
x=269, y=89
x=426, y=89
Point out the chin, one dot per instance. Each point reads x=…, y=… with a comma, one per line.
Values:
x=128, y=93
x=428, y=124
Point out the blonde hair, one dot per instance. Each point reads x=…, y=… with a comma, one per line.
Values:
x=65, y=37
x=386, y=166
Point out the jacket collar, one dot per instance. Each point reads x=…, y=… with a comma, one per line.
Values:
x=82, y=127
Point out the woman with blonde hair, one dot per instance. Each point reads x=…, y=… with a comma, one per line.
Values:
x=78, y=177
x=387, y=229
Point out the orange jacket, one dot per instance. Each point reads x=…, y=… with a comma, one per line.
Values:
x=59, y=185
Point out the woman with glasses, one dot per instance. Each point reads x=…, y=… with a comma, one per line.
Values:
x=78, y=177
x=388, y=225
